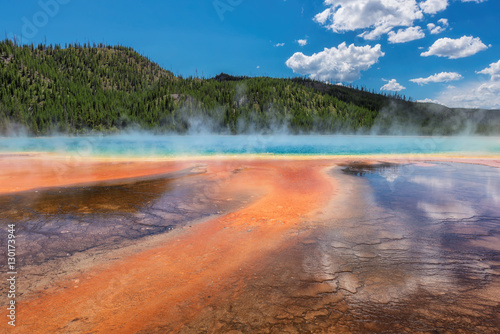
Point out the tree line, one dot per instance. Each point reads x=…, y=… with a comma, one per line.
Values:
x=80, y=88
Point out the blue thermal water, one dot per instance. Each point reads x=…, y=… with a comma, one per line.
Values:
x=150, y=145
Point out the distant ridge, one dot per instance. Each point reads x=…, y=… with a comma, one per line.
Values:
x=226, y=77
x=81, y=88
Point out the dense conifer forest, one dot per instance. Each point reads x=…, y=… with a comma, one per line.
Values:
x=82, y=88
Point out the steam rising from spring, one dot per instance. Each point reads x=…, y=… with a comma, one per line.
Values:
x=143, y=144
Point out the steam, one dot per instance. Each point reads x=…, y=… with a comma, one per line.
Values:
x=269, y=130
x=434, y=120
x=144, y=144
x=13, y=129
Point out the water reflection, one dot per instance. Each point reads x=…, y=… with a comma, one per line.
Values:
x=401, y=249
x=445, y=189
x=425, y=257
x=362, y=168
x=417, y=253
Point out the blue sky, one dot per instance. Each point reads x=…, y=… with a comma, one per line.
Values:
x=446, y=51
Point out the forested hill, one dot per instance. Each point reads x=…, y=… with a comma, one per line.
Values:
x=83, y=88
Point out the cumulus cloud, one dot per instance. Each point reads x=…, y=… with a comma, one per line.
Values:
x=343, y=63
x=482, y=94
x=380, y=16
x=433, y=6
x=406, y=35
x=427, y=100
x=438, y=77
x=493, y=70
x=474, y=95
x=279, y=44
x=444, y=22
x=436, y=29
x=302, y=42
x=464, y=46
x=392, y=85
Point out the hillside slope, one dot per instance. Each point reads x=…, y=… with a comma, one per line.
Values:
x=82, y=88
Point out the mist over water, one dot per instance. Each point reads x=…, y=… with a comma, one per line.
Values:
x=146, y=145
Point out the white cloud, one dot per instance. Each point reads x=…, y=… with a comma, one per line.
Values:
x=406, y=35
x=279, y=44
x=483, y=94
x=476, y=1
x=302, y=42
x=343, y=63
x=380, y=16
x=258, y=66
x=433, y=6
x=436, y=29
x=493, y=70
x=464, y=46
x=438, y=77
x=474, y=95
x=426, y=100
x=392, y=85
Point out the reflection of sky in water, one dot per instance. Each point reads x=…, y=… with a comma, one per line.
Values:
x=442, y=191
x=404, y=248
x=422, y=228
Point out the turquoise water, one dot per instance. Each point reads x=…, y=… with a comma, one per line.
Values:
x=149, y=145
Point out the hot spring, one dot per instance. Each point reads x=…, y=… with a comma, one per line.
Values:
x=158, y=146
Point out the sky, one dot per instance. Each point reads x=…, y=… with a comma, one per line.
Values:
x=443, y=51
